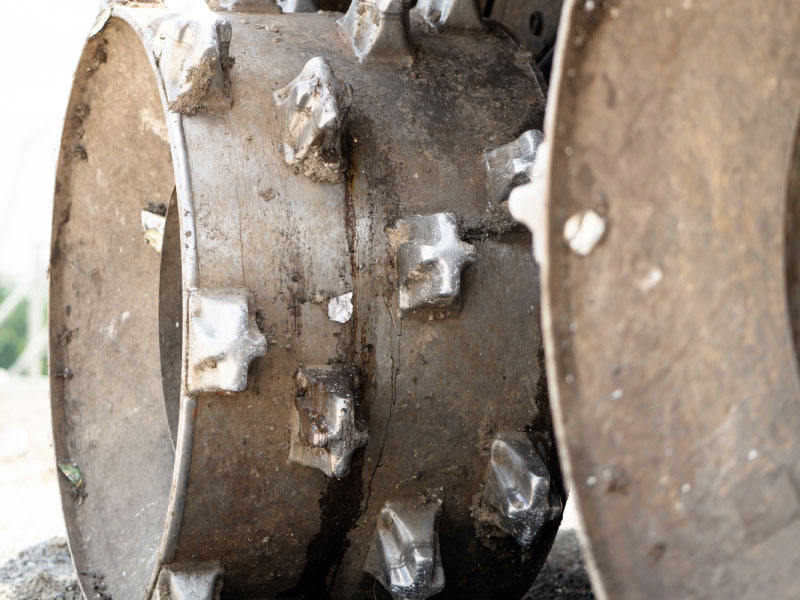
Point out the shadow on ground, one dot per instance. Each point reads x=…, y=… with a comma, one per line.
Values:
x=563, y=576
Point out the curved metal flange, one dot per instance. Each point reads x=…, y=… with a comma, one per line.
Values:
x=190, y=47
x=404, y=555
x=671, y=367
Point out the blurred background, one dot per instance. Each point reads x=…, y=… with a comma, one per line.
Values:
x=41, y=43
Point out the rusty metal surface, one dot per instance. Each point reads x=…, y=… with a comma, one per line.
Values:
x=434, y=390
x=671, y=362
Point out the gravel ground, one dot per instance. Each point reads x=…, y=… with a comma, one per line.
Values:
x=42, y=572
x=45, y=572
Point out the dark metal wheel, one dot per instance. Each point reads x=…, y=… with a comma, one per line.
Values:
x=313, y=188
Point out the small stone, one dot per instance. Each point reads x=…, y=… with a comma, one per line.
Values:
x=340, y=309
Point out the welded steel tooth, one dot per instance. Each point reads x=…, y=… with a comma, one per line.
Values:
x=223, y=339
x=518, y=486
x=451, y=15
x=312, y=111
x=404, y=556
x=329, y=428
x=192, y=50
x=430, y=259
x=203, y=583
x=297, y=6
x=378, y=31
x=511, y=165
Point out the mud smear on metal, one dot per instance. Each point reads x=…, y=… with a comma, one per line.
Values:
x=339, y=513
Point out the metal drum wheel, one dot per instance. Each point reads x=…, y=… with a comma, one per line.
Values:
x=669, y=250
x=295, y=349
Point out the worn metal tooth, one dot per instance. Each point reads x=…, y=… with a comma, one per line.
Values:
x=223, y=339
x=430, y=259
x=329, y=428
x=154, y=219
x=518, y=486
x=404, y=555
x=512, y=164
x=297, y=6
x=191, y=583
x=312, y=111
x=192, y=49
x=451, y=15
x=378, y=31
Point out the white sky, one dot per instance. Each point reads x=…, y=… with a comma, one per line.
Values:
x=40, y=44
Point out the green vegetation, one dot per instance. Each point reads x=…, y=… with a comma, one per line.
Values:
x=13, y=332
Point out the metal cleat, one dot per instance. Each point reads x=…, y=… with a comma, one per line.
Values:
x=191, y=48
x=312, y=111
x=378, y=31
x=200, y=584
x=430, y=258
x=451, y=15
x=518, y=486
x=297, y=6
x=223, y=339
x=328, y=429
x=511, y=165
x=404, y=556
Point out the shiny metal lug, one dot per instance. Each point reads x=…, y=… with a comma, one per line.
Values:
x=511, y=165
x=190, y=584
x=191, y=48
x=430, y=258
x=297, y=6
x=312, y=111
x=518, y=486
x=328, y=428
x=404, y=556
x=451, y=15
x=378, y=31
x=223, y=339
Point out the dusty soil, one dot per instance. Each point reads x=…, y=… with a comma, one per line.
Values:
x=42, y=572
x=45, y=572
